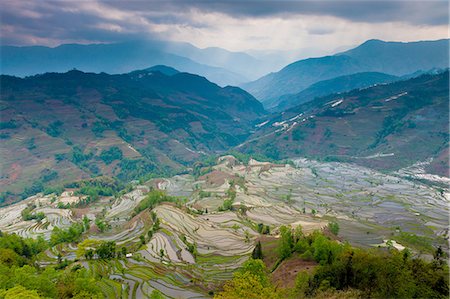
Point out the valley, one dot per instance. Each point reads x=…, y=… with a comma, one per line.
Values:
x=182, y=149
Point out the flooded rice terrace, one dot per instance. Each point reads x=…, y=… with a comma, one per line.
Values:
x=370, y=207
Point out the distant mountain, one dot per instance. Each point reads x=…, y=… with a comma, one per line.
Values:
x=238, y=62
x=393, y=58
x=385, y=126
x=335, y=85
x=166, y=70
x=397, y=58
x=109, y=58
x=66, y=126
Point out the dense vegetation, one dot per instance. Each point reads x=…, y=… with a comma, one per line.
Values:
x=21, y=277
x=251, y=281
x=69, y=235
x=342, y=269
x=113, y=153
x=28, y=215
x=153, y=198
x=101, y=186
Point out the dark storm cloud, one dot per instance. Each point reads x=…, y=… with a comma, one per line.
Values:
x=24, y=21
x=34, y=22
x=426, y=12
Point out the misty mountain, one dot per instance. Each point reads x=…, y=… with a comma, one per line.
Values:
x=241, y=63
x=393, y=58
x=335, y=85
x=110, y=58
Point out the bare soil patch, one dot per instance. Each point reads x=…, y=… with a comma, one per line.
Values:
x=15, y=171
x=78, y=213
x=285, y=274
x=216, y=178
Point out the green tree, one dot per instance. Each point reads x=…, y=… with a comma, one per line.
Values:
x=333, y=227
x=106, y=250
x=156, y=225
x=72, y=234
x=19, y=292
x=286, y=242
x=113, y=153
x=260, y=227
x=298, y=234
x=302, y=283
x=153, y=198
x=86, y=222
x=155, y=294
x=257, y=251
x=251, y=281
x=101, y=224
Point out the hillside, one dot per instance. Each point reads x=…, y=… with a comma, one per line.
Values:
x=335, y=85
x=59, y=127
x=386, y=126
x=393, y=58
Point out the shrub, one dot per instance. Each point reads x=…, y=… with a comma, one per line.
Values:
x=334, y=228
x=113, y=153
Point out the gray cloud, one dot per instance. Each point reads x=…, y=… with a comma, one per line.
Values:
x=425, y=12
x=53, y=22
x=321, y=30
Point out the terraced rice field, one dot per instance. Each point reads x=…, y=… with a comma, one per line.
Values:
x=11, y=218
x=173, y=248
x=209, y=237
x=122, y=235
x=123, y=206
x=368, y=205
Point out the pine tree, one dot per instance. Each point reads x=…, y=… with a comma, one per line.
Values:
x=257, y=252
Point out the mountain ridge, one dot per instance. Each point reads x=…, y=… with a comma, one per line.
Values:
x=110, y=58
x=385, y=127
x=334, y=85
x=392, y=58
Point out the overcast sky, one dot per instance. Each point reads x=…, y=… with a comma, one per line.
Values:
x=233, y=25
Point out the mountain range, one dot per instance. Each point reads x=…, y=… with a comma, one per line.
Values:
x=218, y=65
x=392, y=58
x=388, y=126
x=61, y=126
